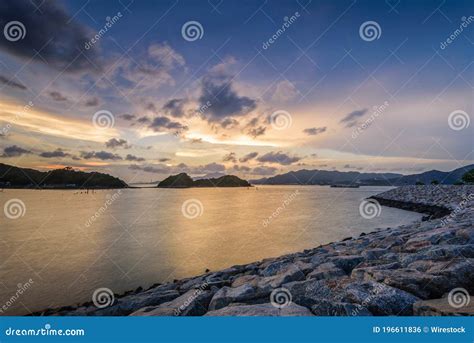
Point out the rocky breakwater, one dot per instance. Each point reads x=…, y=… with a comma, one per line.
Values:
x=425, y=268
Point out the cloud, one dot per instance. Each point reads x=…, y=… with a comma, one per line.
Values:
x=350, y=119
x=134, y=158
x=217, y=89
x=52, y=36
x=56, y=96
x=244, y=169
x=9, y=82
x=128, y=117
x=143, y=120
x=264, y=170
x=174, y=107
x=92, y=102
x=258, y=131
x=230, y=157
x=313, y=131
x=278, y=157
x=229, y=123
x=180, y=168
x=14, y=151
x=248, y=157
x=56, y=153
x=160, y=123
x=117, y=143
x=156, y=169
x=164, y=159
x=100, y=155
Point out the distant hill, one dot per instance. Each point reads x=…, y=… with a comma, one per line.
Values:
x=447, y=178
x=183, y=180
x=16, y=177
x=325, y=177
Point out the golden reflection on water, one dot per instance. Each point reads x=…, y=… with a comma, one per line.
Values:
x=142, y=236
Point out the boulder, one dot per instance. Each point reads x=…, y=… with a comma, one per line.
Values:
x=329, y=308
x=325, y=271
x=243, y=294
x=441, y=307
x=346, y=263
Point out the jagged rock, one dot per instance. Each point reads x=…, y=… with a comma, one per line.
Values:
x=441, y=307
x=226, y=295
x=193, y=303
x=346, y=263
x=326, y=271
x=309, y=292
x=381, y=299
x=328, y=308
x=261, y=310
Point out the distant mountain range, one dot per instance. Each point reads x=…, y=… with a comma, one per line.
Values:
x=325, y=177
x=183, y=180
x=16, y=177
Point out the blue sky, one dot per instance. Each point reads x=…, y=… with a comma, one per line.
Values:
x=345, y=102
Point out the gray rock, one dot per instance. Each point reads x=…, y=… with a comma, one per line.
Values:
x=261, y=310
x=328, y=308
x=346, y=263
x=226, y=295
x=325, y=271
x=441, y=307
x=381, y=299
x=309, y=292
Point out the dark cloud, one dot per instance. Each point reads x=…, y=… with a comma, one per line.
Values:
x=157, y=169
x=92, y=102
x=225, y=102
x=174, y=108
x=180, y=168
x=248, y=157
x=52, y=35
x=313, y=131
x=258, y=131
x=164, y=159
x=228, y=123
x=9, y=82
x=128, y=117
x=230, y=157
x=350, y=119
x=100, y=155
x=134, y=158
x=243, y=169
x=117, y=143
x=56, y=153
x=56, y=96
x=143, y=120
x=253, y=122
x=151, y=107
x=264, y=170
x=278, y=157
x=14, y=151
x=160, y=123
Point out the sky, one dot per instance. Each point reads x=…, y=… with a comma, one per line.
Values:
x=145, y=89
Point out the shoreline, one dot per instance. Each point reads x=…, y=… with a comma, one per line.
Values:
x=338, y=278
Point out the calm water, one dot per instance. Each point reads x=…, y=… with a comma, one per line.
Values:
x=143, y=237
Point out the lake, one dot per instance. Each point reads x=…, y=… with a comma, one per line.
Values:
x=70, y=243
